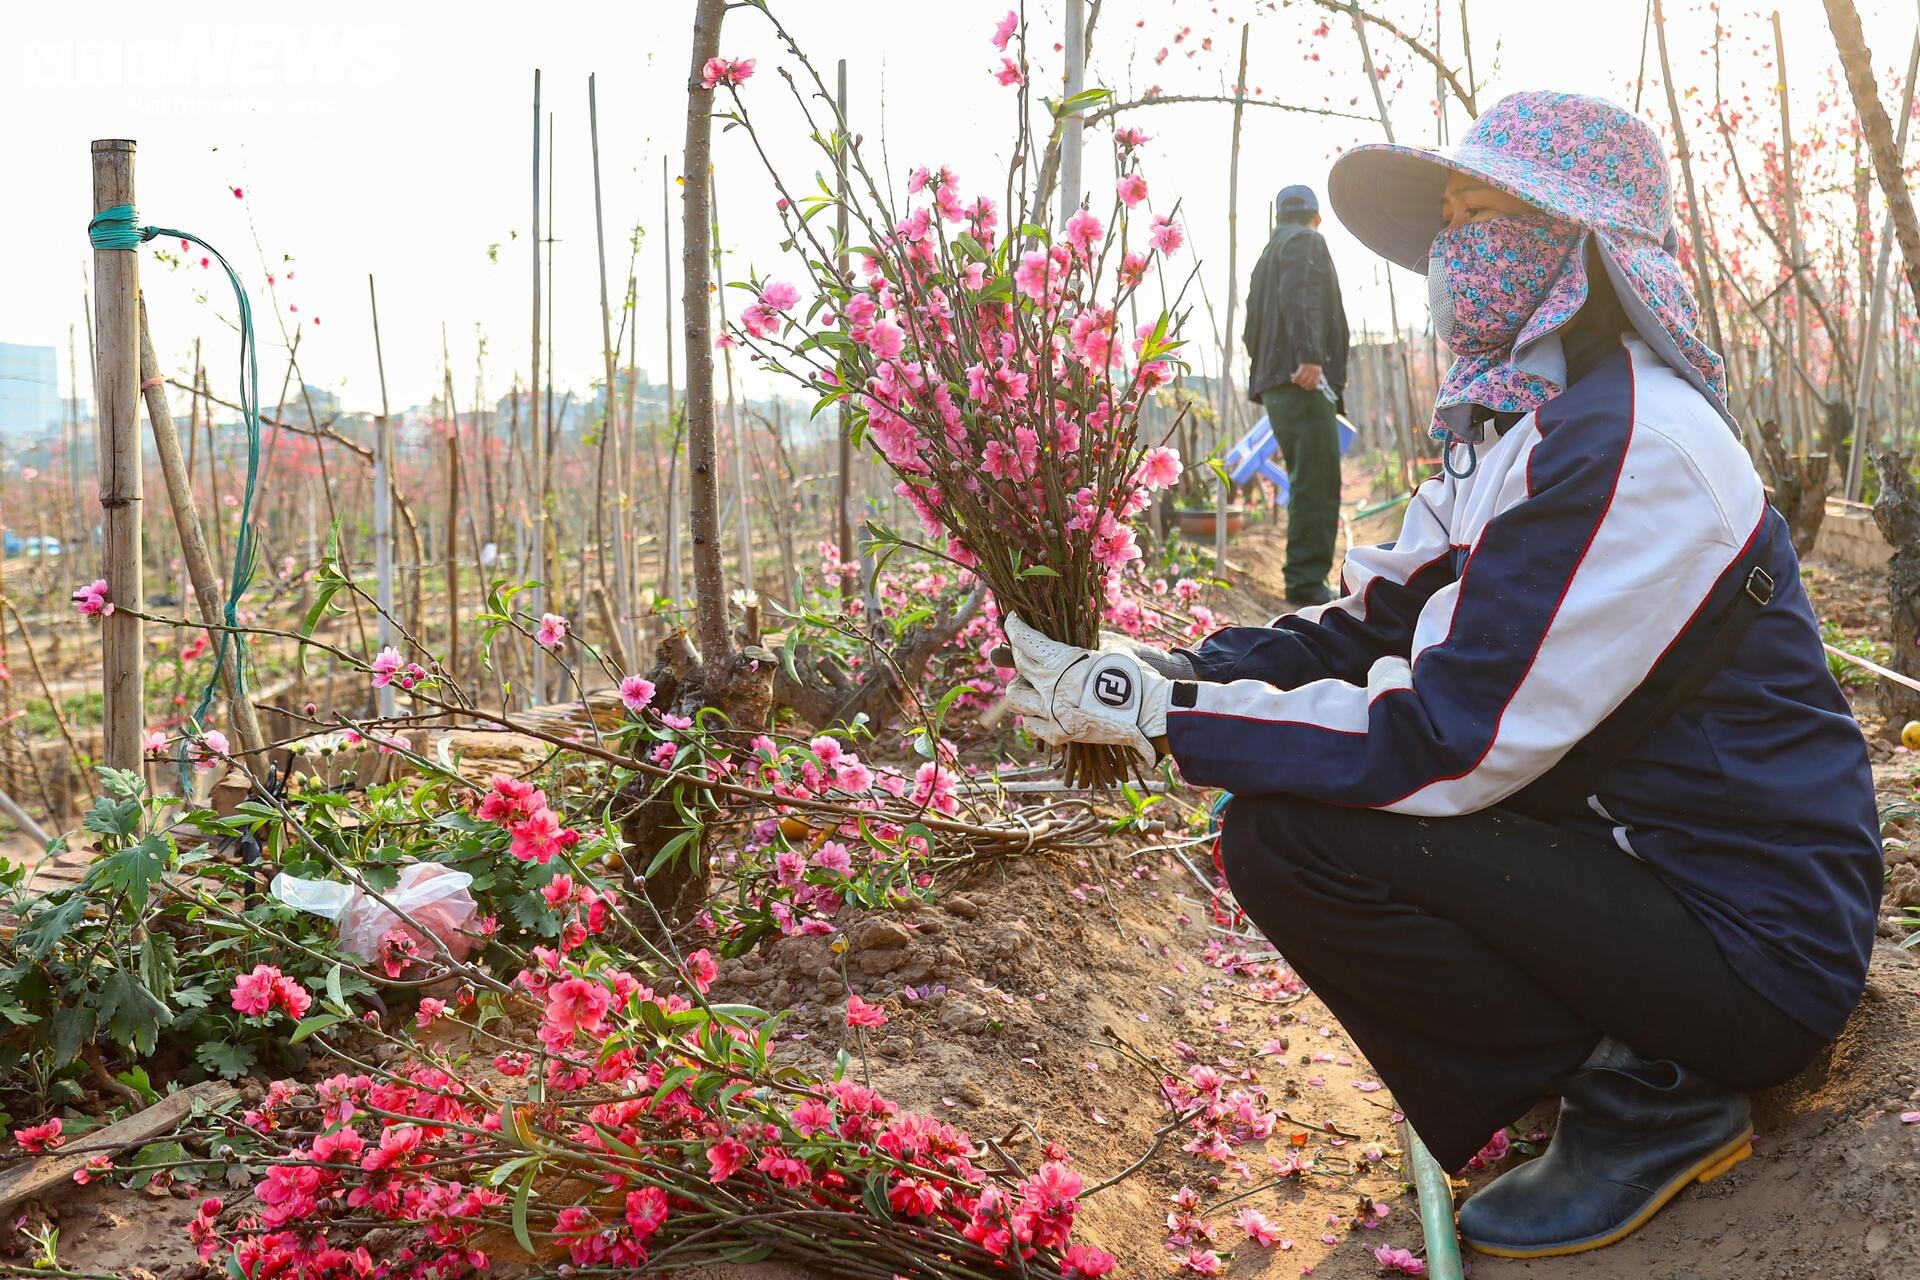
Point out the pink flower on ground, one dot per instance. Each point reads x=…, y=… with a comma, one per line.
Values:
x=291, y=996
x=93, y=600
x=552, y=631
x=386, y=665
x=1166, y=234
x=1132, y=188
x=1257, y=1226
x=37, y=1138
x=1201, y=1262
x=1004, y=32
x=811, y=1117
x=862, y=1014
x=558, y=890
x=1398, y=1261
x=430, y=1009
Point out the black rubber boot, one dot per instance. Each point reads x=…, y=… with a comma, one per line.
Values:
x=1631, y=1136
x=1312, y=593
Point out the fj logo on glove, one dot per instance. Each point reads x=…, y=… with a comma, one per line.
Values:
x=1113, y=688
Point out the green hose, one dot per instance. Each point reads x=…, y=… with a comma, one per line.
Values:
x=1436, y=1207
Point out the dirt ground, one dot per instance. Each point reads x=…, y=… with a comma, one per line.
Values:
x=1048, y=997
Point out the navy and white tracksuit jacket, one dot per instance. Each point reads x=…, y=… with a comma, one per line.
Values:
x=1518, y=608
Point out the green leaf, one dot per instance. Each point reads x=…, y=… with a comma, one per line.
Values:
x=336, y=997
x=133, y=870
x=229, y=1061
x=520, y=1197
x=159, y=961
x=113, y=818
x=318, y=1022
x=49, y=926
x=73, y=1028
x=154, y=1153
x=134, y=1014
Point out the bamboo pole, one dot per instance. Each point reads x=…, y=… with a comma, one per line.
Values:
x=116, y=291
x=733, y=412
x=385, y=698
x=843, y=473
x=537, y=512
x=1071, y=128
x=1702, y=269
x=1877, y=308
x=451, y=537
x=193, y=546
x=622, y=590
x=670, y=572
x=1233, y=296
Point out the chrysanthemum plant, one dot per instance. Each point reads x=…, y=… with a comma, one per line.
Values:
x=1000, y=374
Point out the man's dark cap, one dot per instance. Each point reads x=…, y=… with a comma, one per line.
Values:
x=1296, y=199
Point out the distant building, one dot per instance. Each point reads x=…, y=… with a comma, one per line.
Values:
x=29, y=390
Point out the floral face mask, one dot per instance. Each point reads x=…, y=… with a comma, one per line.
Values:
x=1488, y=281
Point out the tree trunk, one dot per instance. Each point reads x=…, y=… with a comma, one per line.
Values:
x=1857, y=61
x=709, y=578
x=1897, y=512
x=736, y=682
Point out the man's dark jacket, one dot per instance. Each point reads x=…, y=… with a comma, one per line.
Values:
x=1294, y=312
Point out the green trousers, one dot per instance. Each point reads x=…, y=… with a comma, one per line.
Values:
x=1309, y=441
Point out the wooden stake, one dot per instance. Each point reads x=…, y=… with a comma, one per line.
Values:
x=1877, y=308
x=670, y=570
x=1233, y=295
x=193, y=547
x=1702, y=269
x=1071, y=128
x=843, y=477
x=622, y=590
x=537, y=512
x=116, y=293
x=733, y=414
x=385, y=699
x=450, y=540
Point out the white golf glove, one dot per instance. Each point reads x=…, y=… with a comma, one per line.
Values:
x=1069, y=694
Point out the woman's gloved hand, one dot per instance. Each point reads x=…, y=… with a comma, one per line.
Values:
x=1069, y=694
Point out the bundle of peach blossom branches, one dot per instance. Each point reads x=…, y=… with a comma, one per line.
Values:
x=999, y=370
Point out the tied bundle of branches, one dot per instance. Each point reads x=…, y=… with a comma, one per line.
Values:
x=1001, y=378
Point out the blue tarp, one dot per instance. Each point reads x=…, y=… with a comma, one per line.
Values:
x=1257, y=454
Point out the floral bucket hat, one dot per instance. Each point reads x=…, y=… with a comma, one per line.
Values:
x=1585, y=161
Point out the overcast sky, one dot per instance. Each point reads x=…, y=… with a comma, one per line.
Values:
x=394, y=139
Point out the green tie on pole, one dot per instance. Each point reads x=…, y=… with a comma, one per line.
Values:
x=117, y=227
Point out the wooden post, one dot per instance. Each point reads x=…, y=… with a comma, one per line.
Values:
x=622, y=591
x=1233, y=297
x=116, y=299
x=193, y=546
x=386, y=701
x=537, y=514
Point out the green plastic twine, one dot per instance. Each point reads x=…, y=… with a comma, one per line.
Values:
x=117, y=228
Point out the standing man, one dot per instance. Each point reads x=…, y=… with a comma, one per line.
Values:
x=1296, y=338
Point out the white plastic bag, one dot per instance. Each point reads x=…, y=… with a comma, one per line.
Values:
x=433, y=895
